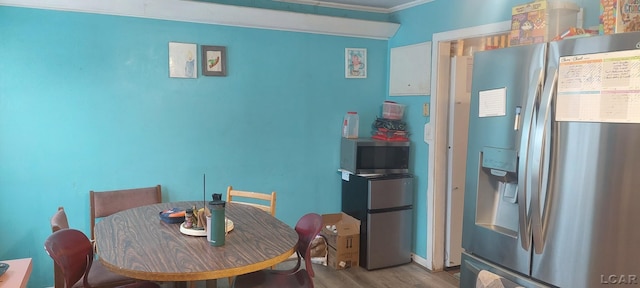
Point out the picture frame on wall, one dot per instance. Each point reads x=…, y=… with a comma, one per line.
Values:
x=214, y=60
x=182, y=60
x=355, y=62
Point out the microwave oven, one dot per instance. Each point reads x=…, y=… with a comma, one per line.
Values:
x=370, y=156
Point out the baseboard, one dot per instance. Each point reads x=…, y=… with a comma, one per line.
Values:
x=421, y=261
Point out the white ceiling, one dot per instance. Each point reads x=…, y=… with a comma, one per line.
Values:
x=381, y=6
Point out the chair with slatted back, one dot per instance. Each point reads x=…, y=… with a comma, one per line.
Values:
x=99, y=276
x=266, y=202
x=308, y=227
x=105, y=203
x=72, y=251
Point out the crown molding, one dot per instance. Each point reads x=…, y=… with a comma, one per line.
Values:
x=409, y=5
x=363, y=8
x=228, y=15
x=338, y=5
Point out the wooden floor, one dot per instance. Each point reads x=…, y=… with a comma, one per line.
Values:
x=409, y=275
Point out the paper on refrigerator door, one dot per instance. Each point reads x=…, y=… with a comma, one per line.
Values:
x=345, y=174
x=603, y=87
x=492, y=103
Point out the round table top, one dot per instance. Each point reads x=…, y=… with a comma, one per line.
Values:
x=137, y=244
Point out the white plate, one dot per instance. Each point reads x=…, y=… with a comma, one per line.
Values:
x=202, y=232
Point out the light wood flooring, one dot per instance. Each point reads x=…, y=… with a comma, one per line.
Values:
x=409, y=275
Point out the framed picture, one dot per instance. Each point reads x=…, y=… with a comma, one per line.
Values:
x=214, y=60
x=182, y=60
x=355, y=63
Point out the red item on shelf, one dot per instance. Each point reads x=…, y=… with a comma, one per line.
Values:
x=390, y=139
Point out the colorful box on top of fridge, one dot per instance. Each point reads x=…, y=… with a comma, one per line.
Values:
x=619, y=16
x=608, y=15
x=541, y=21
x=528, y=24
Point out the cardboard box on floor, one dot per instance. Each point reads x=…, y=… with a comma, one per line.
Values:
x=343, y=242
x=342, y=260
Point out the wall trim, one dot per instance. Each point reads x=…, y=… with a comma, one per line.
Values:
x=409, y=5
x=338, y=5
x=420, y=261
x=228, y=15
x=372, y=9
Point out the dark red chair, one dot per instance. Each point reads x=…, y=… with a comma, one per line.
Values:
x=99, y=276
x=308, y=227
x=72, y=251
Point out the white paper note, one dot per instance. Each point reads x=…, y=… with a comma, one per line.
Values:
x=492, y=103
x=345, y=175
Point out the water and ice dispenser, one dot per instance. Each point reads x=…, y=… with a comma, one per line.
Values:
x=497, y=207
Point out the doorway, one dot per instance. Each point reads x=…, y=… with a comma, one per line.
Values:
x=448, y=44
x=459, y=100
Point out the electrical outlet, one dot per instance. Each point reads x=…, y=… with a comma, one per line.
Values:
x=425, y=110
x=428, y=136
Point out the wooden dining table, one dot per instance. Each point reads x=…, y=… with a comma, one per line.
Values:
x=138, y=244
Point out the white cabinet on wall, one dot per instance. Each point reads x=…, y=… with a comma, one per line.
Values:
x=410, y=70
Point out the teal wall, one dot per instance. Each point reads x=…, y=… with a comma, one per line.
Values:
x=86, y=104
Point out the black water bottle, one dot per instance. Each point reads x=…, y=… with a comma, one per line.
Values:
x=217, y=227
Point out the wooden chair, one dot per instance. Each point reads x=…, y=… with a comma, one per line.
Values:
x=308, y=227
x=257, y=198
x=98, y=276
x=260, y=197
x=59, y=220
x=106, y=203
x=72, y=251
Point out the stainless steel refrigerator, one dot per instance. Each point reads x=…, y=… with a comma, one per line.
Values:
x=552, y=187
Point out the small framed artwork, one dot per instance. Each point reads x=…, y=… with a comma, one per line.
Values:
x=214, y=60
x=182, y=60
x=355, y=62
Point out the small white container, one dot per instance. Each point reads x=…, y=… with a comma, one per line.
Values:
x=350, y=125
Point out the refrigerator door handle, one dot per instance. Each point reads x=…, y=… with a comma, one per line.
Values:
x=523, y=163
x=540, y=160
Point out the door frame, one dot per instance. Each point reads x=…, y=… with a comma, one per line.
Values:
x=438, y=123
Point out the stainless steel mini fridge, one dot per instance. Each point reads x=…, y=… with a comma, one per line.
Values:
x=384, y=206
